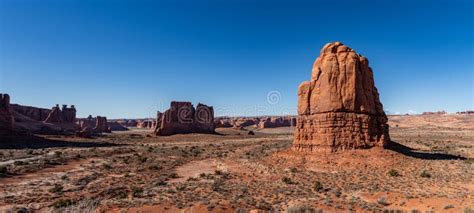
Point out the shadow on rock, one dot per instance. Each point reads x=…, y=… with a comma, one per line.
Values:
x=405, y=150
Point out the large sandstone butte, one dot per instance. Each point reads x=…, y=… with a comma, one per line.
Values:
x=183, y=118
x=339, y=109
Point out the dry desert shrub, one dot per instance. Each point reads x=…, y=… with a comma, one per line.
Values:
x=83, y=206
x=303, y=209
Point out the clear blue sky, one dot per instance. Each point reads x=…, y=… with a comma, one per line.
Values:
x=131, y=58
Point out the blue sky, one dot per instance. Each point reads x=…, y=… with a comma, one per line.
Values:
x=131, y=58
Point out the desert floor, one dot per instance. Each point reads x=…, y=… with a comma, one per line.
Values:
x=236, y=172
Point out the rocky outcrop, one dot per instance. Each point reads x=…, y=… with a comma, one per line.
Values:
x=34, y=113
x=245, y=122
x=61, y=115
x=128, y=122
x=183, y=118
x=258, y=121
x=146, y=124
x=101, y=125
x=339, y=108
x=85, y=132
x=37, y=120
x=274, y=122
x=116, y=126
x=98, y=124
x=6, y=118
x=223, y=123
x=86, y=122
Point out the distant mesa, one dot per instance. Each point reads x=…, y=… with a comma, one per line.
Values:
x=183, y=118
x=339, y=108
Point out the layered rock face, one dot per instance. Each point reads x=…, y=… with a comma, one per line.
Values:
x=35, y=113
x=183, y=118
x=6, y=118
x=339, y=108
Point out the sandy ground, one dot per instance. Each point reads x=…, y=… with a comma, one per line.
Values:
x=236, y=172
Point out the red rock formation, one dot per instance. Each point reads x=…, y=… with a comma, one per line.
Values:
x=54, y=116
x=222, y=123
x=85, y=132
x=146, y=124
x=339, y=108
x=183, y=118
x=116, y=126
x=159, y=120
x=128, y=122
x=6, y=118
x=64, y=115
x=244, y=122
x=68, y=114
x=273, y=122
x=35, y=113
x=101, y=125
x=98, y=124
x=86, y=122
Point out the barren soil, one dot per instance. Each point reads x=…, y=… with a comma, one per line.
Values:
x=233, y=171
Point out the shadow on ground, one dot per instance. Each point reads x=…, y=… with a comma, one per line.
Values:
x=37, y=142
x=405, y=150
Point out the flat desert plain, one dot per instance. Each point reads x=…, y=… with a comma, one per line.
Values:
x=429, y=169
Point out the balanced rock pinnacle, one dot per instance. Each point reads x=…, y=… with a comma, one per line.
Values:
x=339, y=109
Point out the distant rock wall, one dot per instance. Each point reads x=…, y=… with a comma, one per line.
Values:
x=274, y=122
x=183, y=118
x=35, y=113
x=259, y=121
